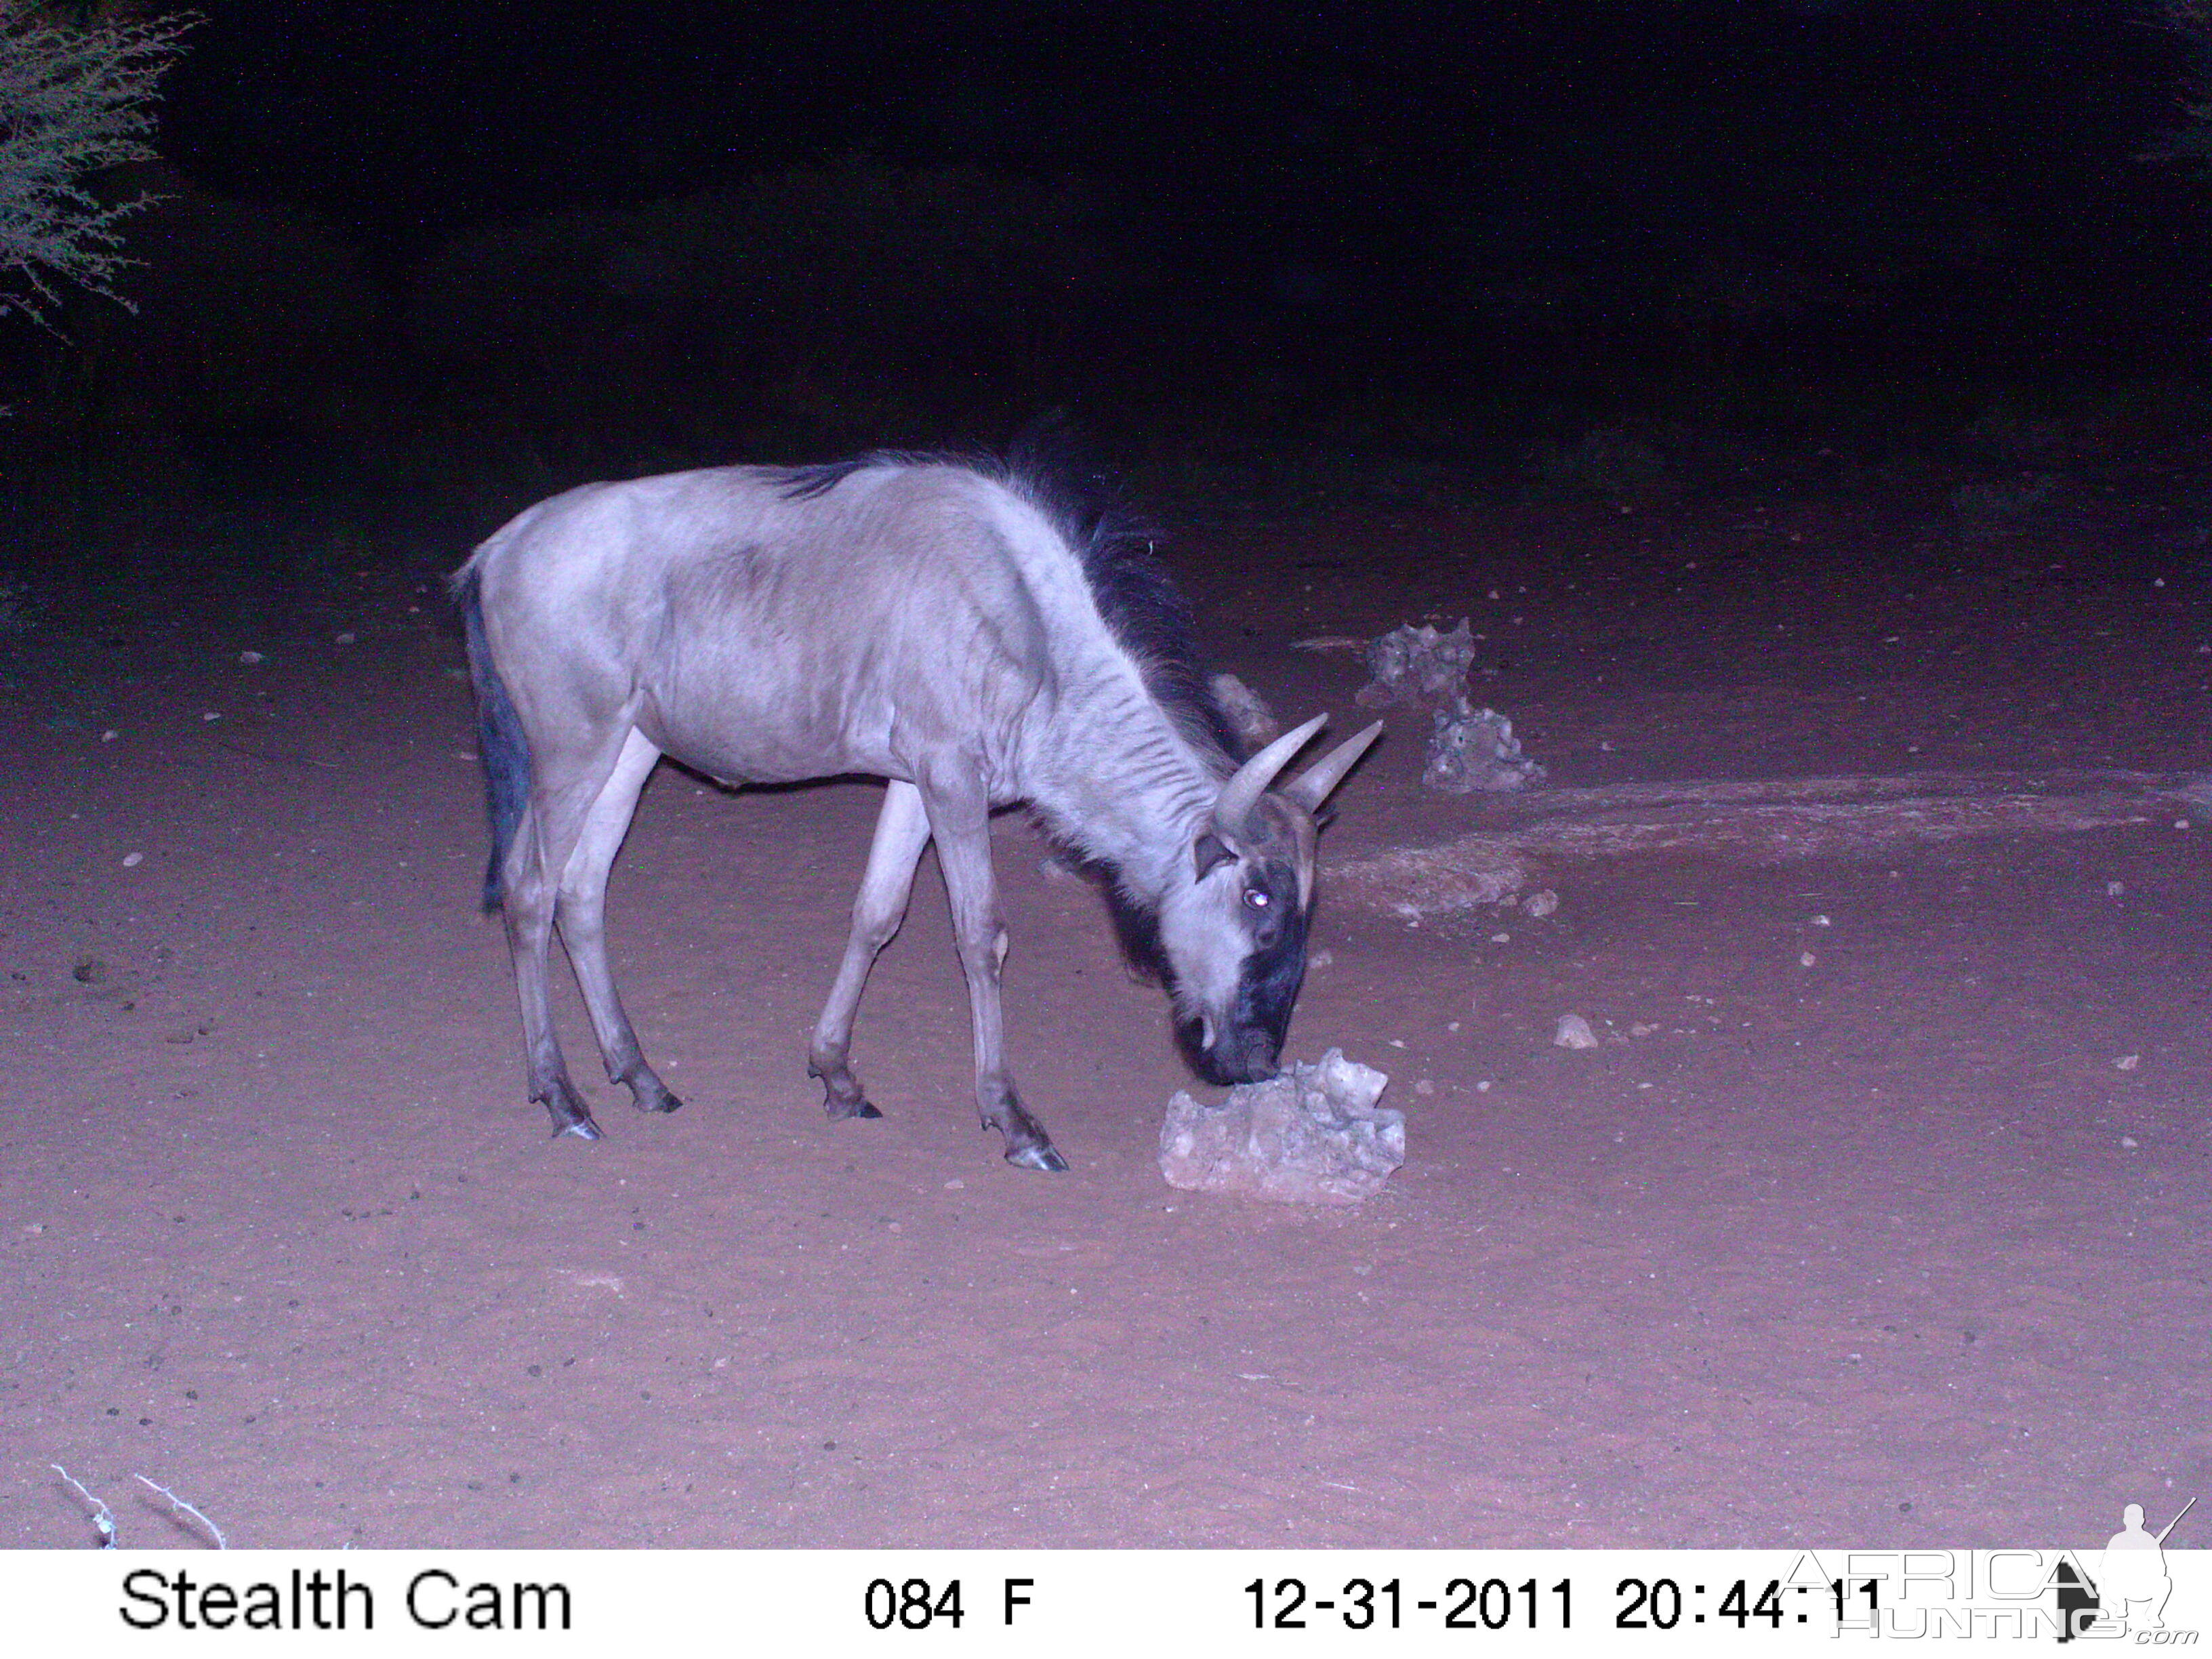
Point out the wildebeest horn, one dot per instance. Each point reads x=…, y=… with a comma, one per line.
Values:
x=1313, y=786
x=1242, y=792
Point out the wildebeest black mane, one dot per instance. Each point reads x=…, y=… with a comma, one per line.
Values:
x=1135, y=596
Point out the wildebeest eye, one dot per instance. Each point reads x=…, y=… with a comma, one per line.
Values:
x=1257, y=899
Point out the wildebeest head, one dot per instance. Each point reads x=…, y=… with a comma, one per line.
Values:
x=1232, y=932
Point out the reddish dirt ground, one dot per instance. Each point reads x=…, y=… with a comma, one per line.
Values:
x=1883, y=1251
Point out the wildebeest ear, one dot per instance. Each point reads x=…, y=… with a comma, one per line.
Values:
x=1209, y=851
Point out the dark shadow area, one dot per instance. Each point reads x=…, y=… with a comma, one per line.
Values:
x=1819, y=248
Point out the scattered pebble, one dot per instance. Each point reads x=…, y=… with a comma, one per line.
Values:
x=1423, y=1086
x=1540, y=904
x=956, y=1185
x=344, y=639
x=1640, y=1029
x=1822, y=921
x=2127, y=1062
x=107, y=737
x=131, y=860
x=1805, y=958
x=2114, y=888
x=1247, y=712
x=2181, y=823
x=1320, y=959
x=1483, y=1087
x=211, y=716
x=1573, y=1031
x=1451, y=1025
x=1501, y=939
x=2127, y=1140
x=250, y=658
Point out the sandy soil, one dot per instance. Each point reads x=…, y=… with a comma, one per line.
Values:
x=1882, y=1246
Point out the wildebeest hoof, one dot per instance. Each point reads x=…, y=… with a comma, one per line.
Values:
x=1040, y=1155
x=841, y=1095
x=583, y=1129
x=650, y=1094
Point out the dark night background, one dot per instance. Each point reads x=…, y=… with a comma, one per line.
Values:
x=461, y=255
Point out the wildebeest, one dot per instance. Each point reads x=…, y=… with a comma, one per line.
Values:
x=970, y=631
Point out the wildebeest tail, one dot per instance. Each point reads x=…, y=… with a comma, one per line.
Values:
x=500, y=744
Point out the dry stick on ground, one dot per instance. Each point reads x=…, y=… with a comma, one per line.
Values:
x=103, y=1518
x=216, y=1532
x=1760, y=821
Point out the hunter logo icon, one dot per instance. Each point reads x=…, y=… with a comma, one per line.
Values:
x=2131, y=1584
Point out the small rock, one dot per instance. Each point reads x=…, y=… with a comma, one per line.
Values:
x=1540, y=904
x=251, y=657
x=1640, y=1029
x=1805, y=958
x=210, y=715
x=956, y=1185
x=1321, y=958
x=1247, y=712
x=2127, y=1062
x=1313, y=1135
x=2114, y=888
x=1573, y=1031
x=1821, y=921
x=1472, y=748
x=1423, y=1086
x=131, y=860
x=2129, y=1140
x=342, y=639
x=90, y=971
x=1483, y=1087
x=1418, y=665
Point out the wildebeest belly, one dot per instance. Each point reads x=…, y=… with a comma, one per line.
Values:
x=755, y=721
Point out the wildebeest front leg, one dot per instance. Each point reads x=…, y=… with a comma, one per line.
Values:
x=959, y=811
x=902, y=832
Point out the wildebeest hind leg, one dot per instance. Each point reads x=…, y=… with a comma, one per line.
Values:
x=526, y=902
x=902, y=832
x=582, y=915
x=570, y=768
